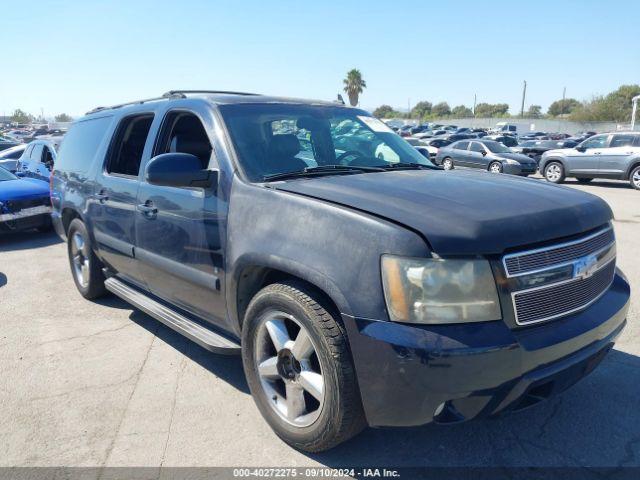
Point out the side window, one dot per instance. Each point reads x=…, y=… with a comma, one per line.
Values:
x=183, y=132
x=476, y=147
x=47, y=157
x=81, y=143
x=126, y=150
x=461, y=145
x=599, y=141
x=27, y=153
x=36, y=153
x=622, y=140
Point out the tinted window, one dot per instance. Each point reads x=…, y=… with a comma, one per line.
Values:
x=126, y=150
x=599, y=141
x=182, y=132
x=47, y=157
x=622, y=140
x=461, y=145
x=80, y=145
x=476, y=147
x=496, y=147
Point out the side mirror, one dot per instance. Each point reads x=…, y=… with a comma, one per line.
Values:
x=19, y=174
x=580, y=148
x=181, y=170
x=484, y=154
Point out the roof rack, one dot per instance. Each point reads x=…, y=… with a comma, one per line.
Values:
x=165, y=96
x=220, y=92
x=169, y=94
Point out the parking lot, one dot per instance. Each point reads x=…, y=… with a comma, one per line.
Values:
x=93, y=384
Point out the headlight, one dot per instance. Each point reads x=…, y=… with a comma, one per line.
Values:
x=427, y=290
x=511, y=162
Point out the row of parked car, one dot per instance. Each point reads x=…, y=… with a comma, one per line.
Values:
x=27, y=158
x=584, y=156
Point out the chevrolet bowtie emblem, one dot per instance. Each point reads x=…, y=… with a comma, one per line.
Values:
x=585, y=267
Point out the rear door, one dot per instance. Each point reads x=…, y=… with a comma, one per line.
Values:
x=614, y=161
x=477, y=155
x=179, y=230
x=461, y=154
x=113, y=207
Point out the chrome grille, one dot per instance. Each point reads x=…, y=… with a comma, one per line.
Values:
x=559, y=299
x=522, y=263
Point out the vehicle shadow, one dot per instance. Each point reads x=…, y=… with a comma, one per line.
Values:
x=226, y=367
x=595, y=423
x=11, y=241
x=3, y=279
x=619, y=184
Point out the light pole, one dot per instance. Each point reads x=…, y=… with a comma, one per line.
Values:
x=634, y=100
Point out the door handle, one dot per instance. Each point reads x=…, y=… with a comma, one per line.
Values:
x=148, y=210
x=597, y=153
x=101, y=196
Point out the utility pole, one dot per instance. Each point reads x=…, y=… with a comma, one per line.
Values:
x=475, y=100
x=524, y=94
x=633, y=111
x=409, y=108
x=564, y=94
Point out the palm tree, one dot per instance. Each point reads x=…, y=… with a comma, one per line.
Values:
x=354, y=85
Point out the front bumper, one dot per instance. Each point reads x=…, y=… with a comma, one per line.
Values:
x=416, y=374
x=20, y=223
x=519, y=169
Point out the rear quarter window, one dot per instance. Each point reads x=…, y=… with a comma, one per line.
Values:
x=80, y=144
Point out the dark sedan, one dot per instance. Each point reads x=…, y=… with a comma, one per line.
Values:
x=535, y=148
x=487, y=155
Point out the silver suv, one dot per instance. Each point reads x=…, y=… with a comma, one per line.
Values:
x=608, y=155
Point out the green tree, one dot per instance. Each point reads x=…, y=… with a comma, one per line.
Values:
x=492, y=109
x=461, y=112
x=616, y=106
x=561, y=107
x=535, y=111
x=354, y=85
x=21, y=117
x=63, y=117
x=441, y=109
x=421, y=110
x=385, y=111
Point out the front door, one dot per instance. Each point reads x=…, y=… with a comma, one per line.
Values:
x=477, y=155
x=113, y=207
x=587, y=162
x=179, y=229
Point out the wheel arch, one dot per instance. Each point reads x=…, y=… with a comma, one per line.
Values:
x=252, y=276
x=633, y=164
x=548, y=160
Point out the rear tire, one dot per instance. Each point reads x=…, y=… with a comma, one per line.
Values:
x=309, y=419
x=554, y=172
x=86, y=269
x=634, y=178
x=447, y=163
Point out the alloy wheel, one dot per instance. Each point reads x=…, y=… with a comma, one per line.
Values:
x=80, y=259
x=289, y=369
x=495, y=168
x=635, y=178
x=447, y=164
x=553, y=173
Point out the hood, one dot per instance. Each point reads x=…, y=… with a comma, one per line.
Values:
x=23, y=189
x=463, y=212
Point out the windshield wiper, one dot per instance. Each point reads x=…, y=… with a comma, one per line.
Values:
x=408, y=166
x=322, y=170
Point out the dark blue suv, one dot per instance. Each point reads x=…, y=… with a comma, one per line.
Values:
x=362, y=284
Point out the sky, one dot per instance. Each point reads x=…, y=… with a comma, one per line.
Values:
x=72, y=56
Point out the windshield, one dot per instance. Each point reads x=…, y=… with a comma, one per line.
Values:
x=496, y=147
x=6, y=175
x=280, y=138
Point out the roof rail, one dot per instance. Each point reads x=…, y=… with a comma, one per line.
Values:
x=220, y=92
x=171, y=94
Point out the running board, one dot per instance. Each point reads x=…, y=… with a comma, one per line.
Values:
x=203, y=336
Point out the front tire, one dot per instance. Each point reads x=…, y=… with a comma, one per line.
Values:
x=495, y=167
x=299, y=369
x=86, y=269
x=447, y=163
x=554, y=172
x=634, y=178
